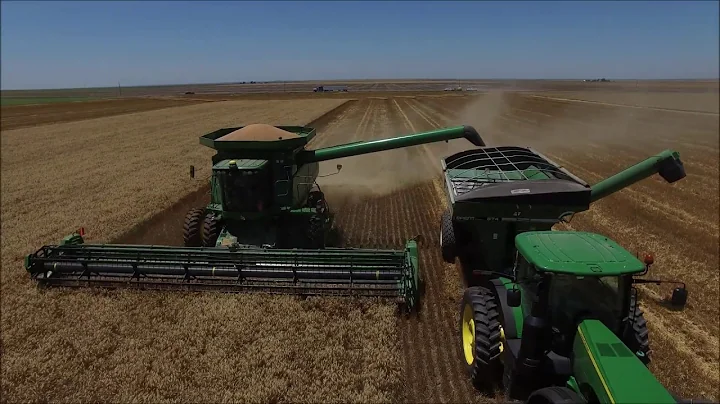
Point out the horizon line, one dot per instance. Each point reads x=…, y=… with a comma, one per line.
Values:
x=343, y=80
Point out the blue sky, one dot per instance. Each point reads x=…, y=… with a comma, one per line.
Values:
x=53, y=44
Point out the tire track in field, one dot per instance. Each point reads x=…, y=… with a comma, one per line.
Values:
x=339, y=121
x=424, y=377
x=437, y=320
x=348, y=131
x=408, y=209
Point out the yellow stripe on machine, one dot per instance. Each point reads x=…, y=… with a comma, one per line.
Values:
x=595, y=365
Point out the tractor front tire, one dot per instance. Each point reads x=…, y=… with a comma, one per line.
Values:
x=211, y=230
x=637, y=335
x=554, y=395
x=192, y=233
x=481, y=337
x=447, y=238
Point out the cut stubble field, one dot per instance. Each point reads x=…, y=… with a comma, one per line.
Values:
x=134, y=346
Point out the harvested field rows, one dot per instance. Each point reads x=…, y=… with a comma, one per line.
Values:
x=365, y=352
x=701, y=102
x=21, y=116
x=107, y=175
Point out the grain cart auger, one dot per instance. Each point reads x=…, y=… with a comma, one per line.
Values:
x=551, y=315
x=264, y=229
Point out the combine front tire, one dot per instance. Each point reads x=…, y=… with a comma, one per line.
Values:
x=447, y=238
x=637, y=335
x=192, y=228
x=481, y=337
x=316, y=232
x=211, y=231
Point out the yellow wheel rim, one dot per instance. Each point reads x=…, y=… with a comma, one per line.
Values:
x=468, y=334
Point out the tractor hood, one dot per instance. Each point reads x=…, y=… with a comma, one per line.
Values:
x=602, y=362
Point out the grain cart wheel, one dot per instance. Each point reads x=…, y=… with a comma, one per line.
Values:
x=554, y=395
x=637, y=335
x=192, y=227
x=480, y=330
x=211, y=230
x=447, y=238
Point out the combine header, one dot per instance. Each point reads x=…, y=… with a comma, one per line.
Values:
x=551, y=315
x=266, y=228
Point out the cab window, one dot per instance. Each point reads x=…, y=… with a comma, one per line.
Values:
x=529, y=280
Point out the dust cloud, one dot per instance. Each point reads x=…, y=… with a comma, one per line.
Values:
x=502, y=118
x=375, y=175
x=512, y=119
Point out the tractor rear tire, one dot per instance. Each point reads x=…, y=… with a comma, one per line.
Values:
x=637, y=336
x=447, y=238
x=192, y=234
x=554, y=395
x=480, y=337
x=211, y=231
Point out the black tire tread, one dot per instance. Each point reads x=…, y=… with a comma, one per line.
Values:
x=486, y=367
x=448, y=246
x=316, y=232
x=192, y=227
x=554, y=395
x=211, y=230
x=638, y=337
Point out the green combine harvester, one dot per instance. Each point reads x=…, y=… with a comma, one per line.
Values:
x=266, y=228
x=551, y=316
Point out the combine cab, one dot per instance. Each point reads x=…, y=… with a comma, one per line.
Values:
x=266, y=228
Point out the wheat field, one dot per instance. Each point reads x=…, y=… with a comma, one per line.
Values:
x=109, y=174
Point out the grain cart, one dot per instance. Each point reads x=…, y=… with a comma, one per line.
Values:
x=264, y=229
x=552, y=314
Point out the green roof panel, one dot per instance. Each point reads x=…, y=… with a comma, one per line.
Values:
x=575, y=252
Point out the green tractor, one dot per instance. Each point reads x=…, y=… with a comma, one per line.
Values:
x=266, y=228
x=551, y=316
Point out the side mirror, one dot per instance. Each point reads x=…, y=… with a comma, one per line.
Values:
x=339, y=167
x=192, y=171
x=420, y=239
x=513, y=297
x=679, y=297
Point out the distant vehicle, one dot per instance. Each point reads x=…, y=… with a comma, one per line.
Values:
x=189, y=92
x=329, y=89
x=603, y=80
x=471, y=89
x=458, y=88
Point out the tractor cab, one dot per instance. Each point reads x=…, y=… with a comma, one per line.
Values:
x=242, y=185
x=568, y=302
x=575, y=276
